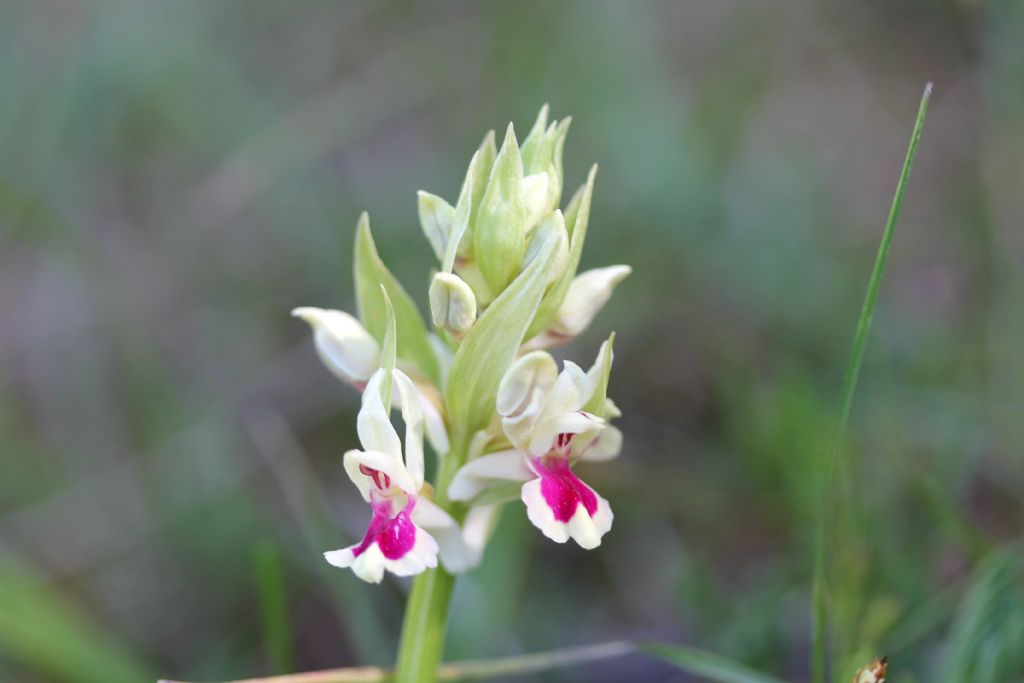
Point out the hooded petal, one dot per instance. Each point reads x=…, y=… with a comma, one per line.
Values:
x=358, y=463
x=577, y=422
x=607, y=444
x=473, y=477
x=525, y=384
x=563, y=507
x=342, y=343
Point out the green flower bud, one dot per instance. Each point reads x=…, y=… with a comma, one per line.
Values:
x=452, y=303
x=499, y=233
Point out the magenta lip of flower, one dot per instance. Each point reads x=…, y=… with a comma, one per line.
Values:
x=394, y=536
x=562, y=490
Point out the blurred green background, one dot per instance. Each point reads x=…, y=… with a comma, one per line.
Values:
x=176, y=176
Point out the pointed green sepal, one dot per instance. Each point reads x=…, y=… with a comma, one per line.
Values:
x=531, y=149
x=486, y=153
x=599, y=373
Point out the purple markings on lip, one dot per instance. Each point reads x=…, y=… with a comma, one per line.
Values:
x=563, y=490
x=394, y=536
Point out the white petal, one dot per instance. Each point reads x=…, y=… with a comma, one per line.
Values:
x=382, y=462
x=460, y=550
x=373, y=423
x=586, y=530
x=342, y=343
x=412, y=415
x=477, y=529
x=437, y=433
x=474, y=476
x=605, y=446
x=587, y=294
x=540, y=513
x=369, y=566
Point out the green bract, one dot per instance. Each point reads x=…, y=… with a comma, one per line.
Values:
x=373, y=279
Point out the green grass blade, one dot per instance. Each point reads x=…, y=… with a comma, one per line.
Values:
x=860, y=339
x=705, y=664
x=274, y=607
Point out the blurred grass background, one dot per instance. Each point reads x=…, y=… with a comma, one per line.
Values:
x=176, y=176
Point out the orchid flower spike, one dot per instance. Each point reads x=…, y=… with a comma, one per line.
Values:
x=543, y=417
x=406, y=531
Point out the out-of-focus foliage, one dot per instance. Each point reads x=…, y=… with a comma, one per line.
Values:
x=175, y=177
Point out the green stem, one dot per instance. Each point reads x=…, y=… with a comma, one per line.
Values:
x=426, y=614
x=860, y=340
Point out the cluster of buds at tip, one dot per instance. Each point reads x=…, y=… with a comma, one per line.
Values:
x=480, y=387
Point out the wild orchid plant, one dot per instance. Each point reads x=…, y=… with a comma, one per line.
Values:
x=483, y=389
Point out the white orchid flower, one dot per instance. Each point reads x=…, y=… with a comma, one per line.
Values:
x=543, y=419
x=406, y=531
x=353, y=356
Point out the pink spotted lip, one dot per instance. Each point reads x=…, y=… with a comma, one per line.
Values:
x=562, y=490
x=394, y=536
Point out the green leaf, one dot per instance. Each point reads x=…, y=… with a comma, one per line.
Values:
x=577, y=215
x=53, y=639
x=499, y=234
x=371, y=275
x=819, y=589
x=710, y=666
x=597, y=403
x=491, y=344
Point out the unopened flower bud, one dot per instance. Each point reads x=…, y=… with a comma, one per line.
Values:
x=588, y=293
x=499, y=234
x=342, y=343
x=452, y=304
